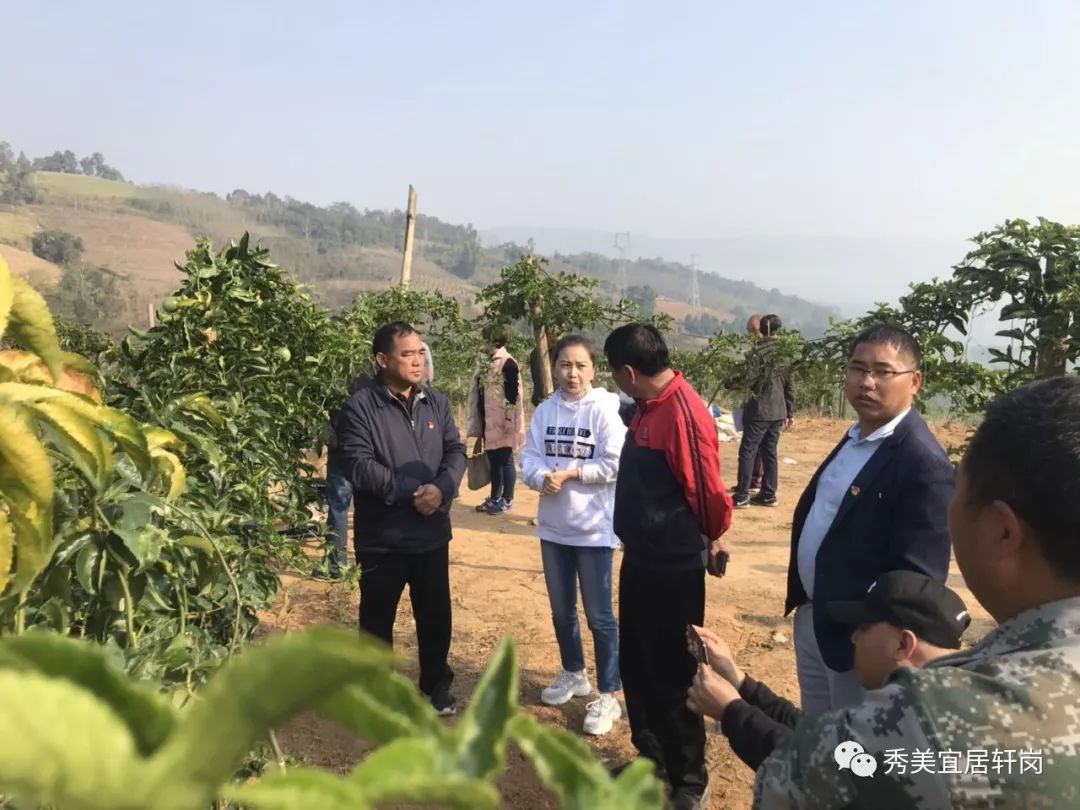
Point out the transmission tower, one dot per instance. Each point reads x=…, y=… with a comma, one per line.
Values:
x=695, y=292
x=622, y=242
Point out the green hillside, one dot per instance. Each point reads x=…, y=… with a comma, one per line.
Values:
x=59, y=184
x=137, y=232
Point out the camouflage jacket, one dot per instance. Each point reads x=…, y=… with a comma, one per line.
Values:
x=994, y=726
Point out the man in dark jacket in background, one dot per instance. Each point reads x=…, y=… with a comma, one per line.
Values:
x=407, y=460
x=770, y=408
x=671, y=507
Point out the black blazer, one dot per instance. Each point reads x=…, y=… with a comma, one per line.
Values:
x=893, y=517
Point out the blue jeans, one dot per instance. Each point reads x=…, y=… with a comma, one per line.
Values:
x=503, y=473
x=563, y=567
x=339, y=492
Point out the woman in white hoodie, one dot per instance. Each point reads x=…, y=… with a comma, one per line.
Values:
x=572, y=456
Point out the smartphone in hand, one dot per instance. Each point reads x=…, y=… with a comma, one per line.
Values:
x=697, y=646
x=717, y=566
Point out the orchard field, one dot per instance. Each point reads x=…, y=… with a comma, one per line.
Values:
x=498, y=589
x=158, y=520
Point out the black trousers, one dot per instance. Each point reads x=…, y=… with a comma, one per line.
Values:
x=382, y=579
x=503, y=473
x=759, y=438
x=759, y=472
x=657, y=670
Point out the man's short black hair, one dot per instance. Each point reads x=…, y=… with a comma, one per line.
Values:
x=890, y=335
x=383, y=341
x=640, y=346
x=1027, y=454
x=770, y=325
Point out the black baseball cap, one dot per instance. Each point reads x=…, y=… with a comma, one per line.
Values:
x=910, y=601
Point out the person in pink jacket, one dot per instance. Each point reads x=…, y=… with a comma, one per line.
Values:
x=497, y=415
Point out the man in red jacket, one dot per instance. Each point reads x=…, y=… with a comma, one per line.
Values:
x=670, y=510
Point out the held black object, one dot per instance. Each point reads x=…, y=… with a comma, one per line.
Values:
x=717, y=567
x=697, y=646
x=721, y=563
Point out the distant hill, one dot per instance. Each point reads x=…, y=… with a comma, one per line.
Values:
x=841, y=273
x=138, y=232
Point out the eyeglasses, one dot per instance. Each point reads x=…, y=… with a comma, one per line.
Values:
x=877, y=374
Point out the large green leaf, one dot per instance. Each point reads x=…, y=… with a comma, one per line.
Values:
x=638, y=787
x=420, y=771
x=127, y=434
x=567, y=766
x=255, y=691
x=85, y=562
x=61, y=746
x=1011, y=334
x=563, y=762
x=119, y=425
x=148, y=716
x=198, y=403
x=481, y=734
x=170, y=472
x=300, y=788
x=80, y=441
x=7, y=550
x=383, y=708
x=7, y=295
x=31, y=324
x=29, y=393
x=26, y=484
x=137, y=529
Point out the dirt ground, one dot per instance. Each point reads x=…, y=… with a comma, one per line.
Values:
x=497, y=587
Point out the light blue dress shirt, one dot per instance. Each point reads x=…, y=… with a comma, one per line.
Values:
x=833, y=485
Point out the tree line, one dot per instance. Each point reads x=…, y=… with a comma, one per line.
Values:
x=17, y=185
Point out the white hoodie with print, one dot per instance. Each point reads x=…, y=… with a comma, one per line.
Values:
x=585, y=433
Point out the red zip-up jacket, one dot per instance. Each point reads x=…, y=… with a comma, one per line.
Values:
x=669, y=500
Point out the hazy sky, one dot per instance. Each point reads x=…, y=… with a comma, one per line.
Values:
x=862, y=118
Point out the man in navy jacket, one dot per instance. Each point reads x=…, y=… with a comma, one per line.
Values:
x=407, y=459
x=878, y=503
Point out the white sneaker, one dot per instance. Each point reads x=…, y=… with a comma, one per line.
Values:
x=601, y=714
x=566, y=686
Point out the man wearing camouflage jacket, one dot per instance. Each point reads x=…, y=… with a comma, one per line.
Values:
x=998, y=725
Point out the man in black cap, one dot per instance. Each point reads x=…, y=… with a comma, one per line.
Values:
x=905, y=619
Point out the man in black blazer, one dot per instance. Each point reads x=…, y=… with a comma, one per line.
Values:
x=878, y=503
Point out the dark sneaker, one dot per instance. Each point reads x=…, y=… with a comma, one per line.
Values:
x=440, y=696
x=486, y=505
x=688, y=800
x=761, y=500
x=616, y=770
x=741, y=502
x=444, y=703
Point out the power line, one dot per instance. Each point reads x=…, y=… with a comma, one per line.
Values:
x=695, y=291
x=622, y=241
